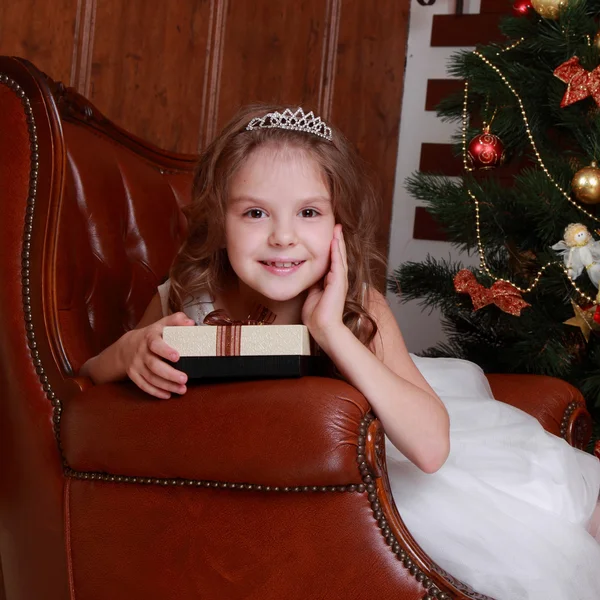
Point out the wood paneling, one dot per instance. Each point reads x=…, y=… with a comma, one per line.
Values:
x=465, y=30
x=83, y=44
x=498, y=7
x=148, y=67
x=42, y=32
x=439, y=159
x=329, y=58
x=368, y=89
x=426, y=227
x=212, y=72
x=173, y=73
x=273, y=54
x=438, y=89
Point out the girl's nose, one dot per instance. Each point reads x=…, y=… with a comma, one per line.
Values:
x=282, y=236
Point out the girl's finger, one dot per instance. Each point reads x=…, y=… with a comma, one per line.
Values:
x=336, y=256
x=159, y=347
x=177, y=319
x=160, y=382
x=164, y=371
x=341, y=253
x=314, y=289
x=342, y=245
x=147, y=387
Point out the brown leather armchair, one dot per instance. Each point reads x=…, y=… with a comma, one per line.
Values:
x=272, y=489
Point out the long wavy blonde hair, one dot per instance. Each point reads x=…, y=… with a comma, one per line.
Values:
x=202, y=263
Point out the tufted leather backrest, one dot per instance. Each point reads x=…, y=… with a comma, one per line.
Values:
x=120, y=225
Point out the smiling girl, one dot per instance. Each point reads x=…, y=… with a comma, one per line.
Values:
x=283, y=215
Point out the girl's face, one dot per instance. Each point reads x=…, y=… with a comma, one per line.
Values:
x=279, y=223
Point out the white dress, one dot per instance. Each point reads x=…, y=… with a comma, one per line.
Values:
x=507, y=513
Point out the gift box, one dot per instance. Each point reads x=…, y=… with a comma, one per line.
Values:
x=245, y=351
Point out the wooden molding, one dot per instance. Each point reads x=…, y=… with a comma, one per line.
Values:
x=331, y=31
x=212, y=72
x=83, y=47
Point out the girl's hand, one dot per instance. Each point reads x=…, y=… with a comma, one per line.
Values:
x=324, y=306
x=142, y=356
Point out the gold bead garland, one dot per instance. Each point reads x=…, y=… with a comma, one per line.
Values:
x=480, y=248
x=465, y=116
x=511, y=47
x=530, y=136
x=483, y=264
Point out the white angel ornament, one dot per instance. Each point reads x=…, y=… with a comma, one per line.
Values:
x=580, y=251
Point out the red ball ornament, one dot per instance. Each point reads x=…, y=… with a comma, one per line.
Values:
x=521, y=8
x=486, y=151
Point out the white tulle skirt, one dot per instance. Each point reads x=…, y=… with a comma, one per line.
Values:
x=507, y=513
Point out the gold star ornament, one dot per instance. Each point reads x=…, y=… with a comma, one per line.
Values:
x=584, y=319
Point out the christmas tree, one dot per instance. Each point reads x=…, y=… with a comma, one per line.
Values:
x=532, y=105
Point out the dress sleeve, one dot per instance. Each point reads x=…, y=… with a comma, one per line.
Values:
x=195, y=308
x=163, y=292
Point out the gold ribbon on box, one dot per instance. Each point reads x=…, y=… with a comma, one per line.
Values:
x=229, y=332
x=580, y=83
x=502, y=293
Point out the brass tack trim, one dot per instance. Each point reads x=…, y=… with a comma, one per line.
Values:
x=564, y=425
x=25, y=254
x=181, y=482
x=400, y=552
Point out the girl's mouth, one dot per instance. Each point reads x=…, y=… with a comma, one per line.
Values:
x=281, y=267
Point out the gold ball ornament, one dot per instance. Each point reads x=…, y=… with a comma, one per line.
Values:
x=596, y=42
x=549, y=9
x=586, y=184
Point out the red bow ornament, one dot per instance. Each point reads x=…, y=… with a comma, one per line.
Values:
x=580, y=83
x=504, y=295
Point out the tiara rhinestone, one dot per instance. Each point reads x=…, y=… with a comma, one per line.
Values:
x=296, y=121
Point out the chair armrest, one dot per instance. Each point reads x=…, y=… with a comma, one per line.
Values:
x=308, y=435
x=301, y=432
x=557, y=405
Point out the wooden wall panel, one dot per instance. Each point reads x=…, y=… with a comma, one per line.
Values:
x=369, y=78
x=440, y=159
x=426, y=227
x=273, y=53
x=498, y=7
x=148, y=67
x=438, y=89
x=42, y=32
x=458, y=31
x=465, y=30
x=174, y=72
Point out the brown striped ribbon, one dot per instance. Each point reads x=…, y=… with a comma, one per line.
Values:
x=229, y=338
x=229, y=332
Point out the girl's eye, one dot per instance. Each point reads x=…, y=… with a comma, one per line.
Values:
x=309, y=213
x=255, y=213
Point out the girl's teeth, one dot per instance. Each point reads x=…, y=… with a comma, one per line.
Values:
x=285, y=265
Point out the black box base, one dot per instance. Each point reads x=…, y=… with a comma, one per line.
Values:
x=251, y=367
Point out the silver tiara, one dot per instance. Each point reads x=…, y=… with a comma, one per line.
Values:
x=297, y=121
